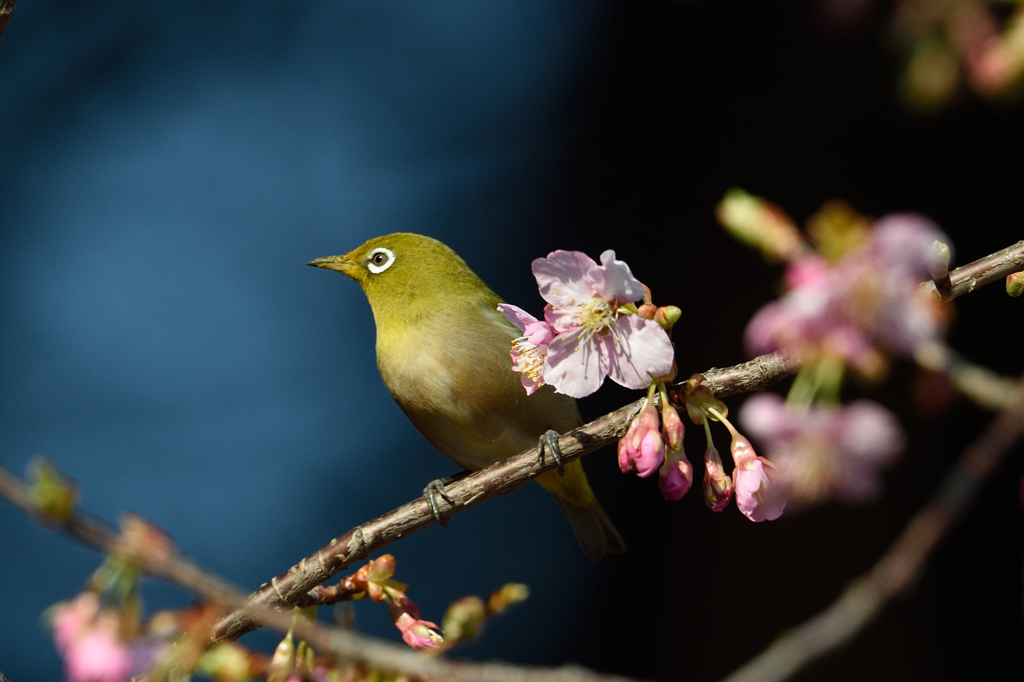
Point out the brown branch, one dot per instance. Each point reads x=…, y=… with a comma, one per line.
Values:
x=991, y=268
x=344, y=644
x=6, y=9
x=900, y=567
x=291, y=587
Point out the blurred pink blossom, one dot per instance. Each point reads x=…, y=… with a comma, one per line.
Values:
x=823, y=451
x=871, y=297
x=98, y=655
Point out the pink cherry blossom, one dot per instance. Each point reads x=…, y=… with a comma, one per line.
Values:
x=528, y=351
x=594, y=338
x=642, y=449
x=825, y=451
x=758, y=496
x=98, y=655
x=71, y=618
x=870, y=297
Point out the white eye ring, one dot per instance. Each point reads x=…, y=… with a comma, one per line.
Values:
x=380, y=259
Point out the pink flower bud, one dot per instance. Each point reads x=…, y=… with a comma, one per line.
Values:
x=676, y=475
x=757, y=495
x=642, y=448
x=672, y=427
x=417, y=633
x=651, y=454
x=717, y=484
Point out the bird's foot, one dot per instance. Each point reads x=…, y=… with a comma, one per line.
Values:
x=549, y=439
x=435, y=488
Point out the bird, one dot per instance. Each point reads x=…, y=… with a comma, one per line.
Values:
x=443, y=351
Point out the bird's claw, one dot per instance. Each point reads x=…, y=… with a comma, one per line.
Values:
x=549, y=439
x=435, y=488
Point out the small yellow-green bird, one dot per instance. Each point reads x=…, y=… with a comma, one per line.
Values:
x=443, y=352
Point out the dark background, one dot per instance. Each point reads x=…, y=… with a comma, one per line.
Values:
x=165, y=171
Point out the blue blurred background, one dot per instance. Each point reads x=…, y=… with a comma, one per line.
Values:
x=166, y=170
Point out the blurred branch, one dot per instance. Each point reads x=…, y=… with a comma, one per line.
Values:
x=986, y=388
x=344, y=644
x=6, y=9
x=991, y=268
x=900, y=567
x=95, y=533
x=291, y=587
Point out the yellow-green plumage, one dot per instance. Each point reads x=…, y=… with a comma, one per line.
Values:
x=443, y=352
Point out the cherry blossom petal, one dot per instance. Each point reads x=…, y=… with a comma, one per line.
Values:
x=636, y=350
x=870, y=432
x=516, y=315
x=572, y=367
x=561, y=277
x=765, y=416
x=539, y=333
x=614, y=280
x=757, y=495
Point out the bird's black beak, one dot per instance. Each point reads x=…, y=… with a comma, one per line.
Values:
x=339, y=263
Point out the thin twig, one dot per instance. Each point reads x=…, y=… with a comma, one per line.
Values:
x=897, y=570
x=6, y=9
x=977, y=274
x=346, y=645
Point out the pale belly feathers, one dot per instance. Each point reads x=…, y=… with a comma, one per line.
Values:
x=464, y=396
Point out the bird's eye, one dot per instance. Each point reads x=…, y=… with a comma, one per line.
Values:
x=380, y=260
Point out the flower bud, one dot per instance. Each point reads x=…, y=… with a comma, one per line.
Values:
x=672, y=427
x=417, y=633
x=282, y=663
x=647, y=311
x=52, y=494
x=757, y=495
x=642, y=448
x=760, y=224
x=464, y=618
x=676, y=475
x=1015, y=284
x=505, y=596
x=717, y=483
x=667, y=316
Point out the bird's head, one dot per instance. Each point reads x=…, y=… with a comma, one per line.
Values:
x=405, y=273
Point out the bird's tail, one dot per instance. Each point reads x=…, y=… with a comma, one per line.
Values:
x=593, y=527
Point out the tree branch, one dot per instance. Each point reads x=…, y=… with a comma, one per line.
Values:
x=290, y=587
x=991, y=268
x=346, y=645
x=900, y=567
